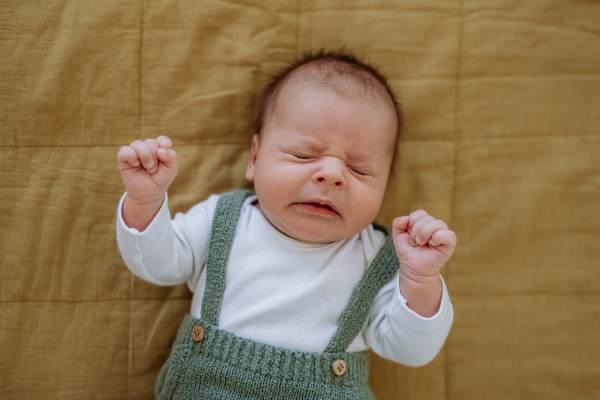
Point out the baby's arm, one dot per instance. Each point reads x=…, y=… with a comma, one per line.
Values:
x=155, y=248
x=399, y=334
x=412, y=314
x=147, y=169
x=168, y=252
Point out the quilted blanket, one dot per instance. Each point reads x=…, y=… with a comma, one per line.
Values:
x=502, y=140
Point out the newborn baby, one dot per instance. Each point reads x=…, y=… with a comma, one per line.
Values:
x=293, y=284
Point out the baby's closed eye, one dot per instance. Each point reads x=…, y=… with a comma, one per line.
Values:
x=359, y=170
x=302, y=156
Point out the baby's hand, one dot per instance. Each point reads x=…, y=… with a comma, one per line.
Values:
x=423, y=244
x=148, y=168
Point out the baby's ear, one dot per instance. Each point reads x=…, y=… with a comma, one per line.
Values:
x=252, y=159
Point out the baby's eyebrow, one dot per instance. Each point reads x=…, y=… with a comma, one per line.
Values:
x=359, y=156
x=360, y=161
x=310, y=143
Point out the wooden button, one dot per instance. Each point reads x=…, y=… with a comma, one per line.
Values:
x=339, y=367
x=198, y=333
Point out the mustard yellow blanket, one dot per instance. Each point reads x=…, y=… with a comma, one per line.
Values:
x=502, y=140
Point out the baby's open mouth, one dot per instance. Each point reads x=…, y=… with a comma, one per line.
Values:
x=321, y=205
x=317, y=207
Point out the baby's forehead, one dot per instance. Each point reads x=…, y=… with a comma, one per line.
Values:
x=303, y=106
x=348, y=78
x=342, y=79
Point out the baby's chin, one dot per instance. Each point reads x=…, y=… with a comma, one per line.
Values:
x=311, y=229
x=315, y=231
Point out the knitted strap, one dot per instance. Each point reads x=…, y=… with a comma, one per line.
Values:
x=222, y=232
x=382, y=269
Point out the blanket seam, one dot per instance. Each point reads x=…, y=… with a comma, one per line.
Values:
x=454, y=173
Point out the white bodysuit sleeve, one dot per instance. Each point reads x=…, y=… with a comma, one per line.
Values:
x=399, y=334
x=168, y=252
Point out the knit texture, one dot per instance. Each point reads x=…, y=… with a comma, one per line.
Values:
x=222, y=232
x=226, y=366
x=382, y=269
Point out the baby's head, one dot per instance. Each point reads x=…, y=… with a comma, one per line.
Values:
x=325, y=140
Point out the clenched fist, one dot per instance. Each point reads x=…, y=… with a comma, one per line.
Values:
x=423, y=244
x=147, y=169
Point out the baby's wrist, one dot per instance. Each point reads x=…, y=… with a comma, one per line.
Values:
x=149, y=201
x=139, y=214
x=413, y=277
x=423, y=293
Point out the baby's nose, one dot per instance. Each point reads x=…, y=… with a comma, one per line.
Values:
x=335, y=182
x=331, y=173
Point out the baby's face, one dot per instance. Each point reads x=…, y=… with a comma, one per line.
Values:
x=321, y=164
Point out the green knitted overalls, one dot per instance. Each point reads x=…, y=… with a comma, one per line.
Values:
x=210, y=363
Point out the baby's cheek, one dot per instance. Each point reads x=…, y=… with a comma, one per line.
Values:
x=367, y=206
x=290, y=177
x=276, y=185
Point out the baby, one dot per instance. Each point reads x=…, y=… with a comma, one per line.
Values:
x=293, y=285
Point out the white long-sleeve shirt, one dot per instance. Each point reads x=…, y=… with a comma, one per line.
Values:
x=281, y=291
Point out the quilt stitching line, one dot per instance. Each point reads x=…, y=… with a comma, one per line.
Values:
x=454, y=175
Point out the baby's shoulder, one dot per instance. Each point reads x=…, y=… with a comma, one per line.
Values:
x=374, y=235
x=206, y=206
x=372, y=240
x=206, y=209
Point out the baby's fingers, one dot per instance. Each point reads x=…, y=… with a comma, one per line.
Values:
x=400, y=225
x=445, y=238
x=164, y=142
x=423, y=233
x=169, y=158
x=414, y=217
x=168, y=167
x=127, y=157
x=143, y=152
x=153, y=147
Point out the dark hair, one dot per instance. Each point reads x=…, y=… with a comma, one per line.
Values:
x=340, y=70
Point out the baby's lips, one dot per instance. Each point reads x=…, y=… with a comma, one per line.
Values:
x=322, y=203
x=318, y=208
